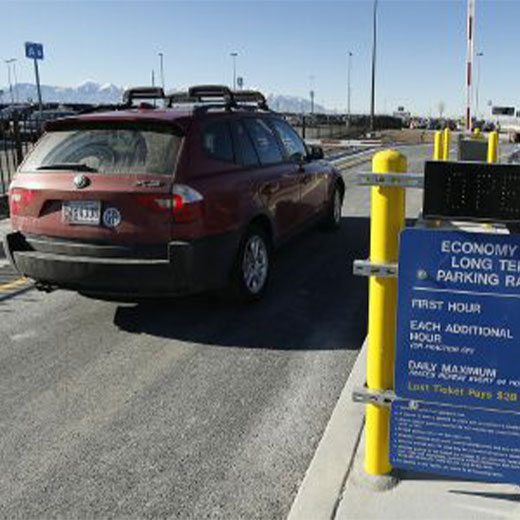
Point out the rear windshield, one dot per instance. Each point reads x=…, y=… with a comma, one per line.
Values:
x=106, y=150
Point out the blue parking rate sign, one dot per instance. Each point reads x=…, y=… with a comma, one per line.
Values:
x=458, y=325
x=34, y=50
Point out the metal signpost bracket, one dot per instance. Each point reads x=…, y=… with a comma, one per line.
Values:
x=396, y=180
x=368, y=268
x=379, y=397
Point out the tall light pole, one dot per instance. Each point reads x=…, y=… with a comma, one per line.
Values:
x=8, y=63
x=15, y=77
x=349, y=69
x=234, y=58
x=479, y=55
x=161, y=56
x=311, y=92
x=374, y=45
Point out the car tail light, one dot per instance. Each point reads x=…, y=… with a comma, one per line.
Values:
x=185, y=204
x=19, y=199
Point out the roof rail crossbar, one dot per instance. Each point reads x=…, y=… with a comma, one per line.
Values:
x=251, y=96
x=142, y=93
x=202, y=92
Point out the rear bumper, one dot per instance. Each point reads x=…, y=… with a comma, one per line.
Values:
x=186, y=267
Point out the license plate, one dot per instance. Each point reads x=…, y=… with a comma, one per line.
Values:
x=82, y=212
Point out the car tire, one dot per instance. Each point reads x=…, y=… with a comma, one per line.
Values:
x=252, y=268
x=332, y=220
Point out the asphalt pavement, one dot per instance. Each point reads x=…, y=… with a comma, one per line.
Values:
x=185, y=408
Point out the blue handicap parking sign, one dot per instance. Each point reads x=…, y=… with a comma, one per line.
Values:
x=34, y=50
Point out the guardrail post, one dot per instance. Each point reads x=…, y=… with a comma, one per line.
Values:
x=492, y=152
x=437, y=146
x=387, y=220
x=446, y=144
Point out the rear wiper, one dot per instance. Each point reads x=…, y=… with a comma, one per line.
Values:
x=78, y=167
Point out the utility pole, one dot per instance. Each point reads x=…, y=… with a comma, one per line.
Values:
x=373, y=92
x=234, y=58
x=161, y=55
x=469, y=60
x=349, y=68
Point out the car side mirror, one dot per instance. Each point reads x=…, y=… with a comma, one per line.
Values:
x=315, y=152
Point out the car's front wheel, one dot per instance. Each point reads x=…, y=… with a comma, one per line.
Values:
x=332, y=219
x=253, y=265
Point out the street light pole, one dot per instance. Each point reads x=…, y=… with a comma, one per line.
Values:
x=374, y=44
x=161, y=55
x=234, y=57
x=8, y=63
x=349, y=68
x=479, y=55
x=15, y=77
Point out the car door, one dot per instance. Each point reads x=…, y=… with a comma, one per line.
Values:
x=311, y=177
x=278, y=182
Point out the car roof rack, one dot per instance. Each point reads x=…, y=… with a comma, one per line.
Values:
x=142, y=93
x=208, y=92
x=251, y=96
x=218, y=96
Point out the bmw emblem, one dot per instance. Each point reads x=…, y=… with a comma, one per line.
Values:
x=111, y=217
x=81, y=181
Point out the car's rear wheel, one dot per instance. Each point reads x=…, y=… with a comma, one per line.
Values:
x=332, y=219
x=253, y=265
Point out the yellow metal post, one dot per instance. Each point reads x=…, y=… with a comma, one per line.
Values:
x=387, y=220
x=437, y=146
x=492, y=155
x=446, y=144
x=477, y=134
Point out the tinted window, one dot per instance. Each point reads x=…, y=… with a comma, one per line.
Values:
x=245, y=152
x=216, y=141
x=264, y=141
x=109, y=150
x=290, y=139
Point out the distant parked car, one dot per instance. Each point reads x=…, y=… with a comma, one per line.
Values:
x=145, y=202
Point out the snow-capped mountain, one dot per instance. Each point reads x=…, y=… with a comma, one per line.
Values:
x=86, y=92
x=94, y=93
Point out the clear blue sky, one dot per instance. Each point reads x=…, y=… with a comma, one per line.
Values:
x=280, y=44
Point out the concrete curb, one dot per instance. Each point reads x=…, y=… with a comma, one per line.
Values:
x=321, y=489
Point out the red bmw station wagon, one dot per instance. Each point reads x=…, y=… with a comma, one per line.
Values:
x=147, y=201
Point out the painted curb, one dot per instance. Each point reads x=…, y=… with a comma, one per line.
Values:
x=321, y=489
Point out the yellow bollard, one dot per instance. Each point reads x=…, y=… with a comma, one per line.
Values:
x=437, y=146
x=477, y=134
x=446, y=144
x=492, y=154
x=387, y=220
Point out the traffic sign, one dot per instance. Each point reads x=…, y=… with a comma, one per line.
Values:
x=458, y=319
x=34, y=50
